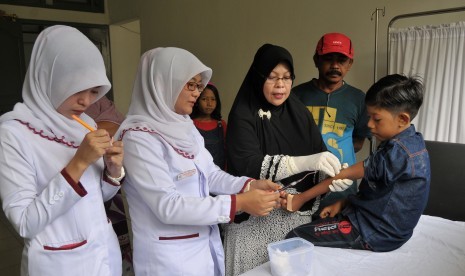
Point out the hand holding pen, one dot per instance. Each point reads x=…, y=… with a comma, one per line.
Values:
x=98, y=143
x=84, y=124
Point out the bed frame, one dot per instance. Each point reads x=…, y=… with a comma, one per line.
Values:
x=447, y=193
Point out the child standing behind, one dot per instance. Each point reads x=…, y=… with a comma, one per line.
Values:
x=396, y=177
x=207, y=119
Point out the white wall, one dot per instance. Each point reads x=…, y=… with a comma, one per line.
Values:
x=125, y=54
x=226, y=34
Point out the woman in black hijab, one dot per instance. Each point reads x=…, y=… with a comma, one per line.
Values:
x=271, y=135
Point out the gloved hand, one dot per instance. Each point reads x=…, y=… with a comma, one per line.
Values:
x=323, y=161
x=339, y=185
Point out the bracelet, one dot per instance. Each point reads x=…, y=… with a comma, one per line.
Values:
x=116, y=179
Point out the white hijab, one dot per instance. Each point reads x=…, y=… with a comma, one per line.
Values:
x=163, y=73
x=63, y=62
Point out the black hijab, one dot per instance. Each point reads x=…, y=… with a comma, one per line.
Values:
x=291, y=130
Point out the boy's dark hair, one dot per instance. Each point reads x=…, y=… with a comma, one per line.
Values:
x=216, y=114
x=396, y=93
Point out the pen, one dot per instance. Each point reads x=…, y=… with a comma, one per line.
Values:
x=82, y=122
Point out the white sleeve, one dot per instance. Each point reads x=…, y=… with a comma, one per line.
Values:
x=29, y=208
x=109, y=188
x=149, y=172
x=276, y=167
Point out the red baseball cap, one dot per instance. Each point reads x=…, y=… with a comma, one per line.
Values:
x=335, y=43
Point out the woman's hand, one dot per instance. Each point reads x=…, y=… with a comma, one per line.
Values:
x=283, y=199
x=323, y=161
x=113, y=159
x=257, y=202
x=339, y=185
x=93, y=147
x=264, y=184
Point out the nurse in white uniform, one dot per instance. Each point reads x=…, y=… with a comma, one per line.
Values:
x=53, y=179
x=170, y=174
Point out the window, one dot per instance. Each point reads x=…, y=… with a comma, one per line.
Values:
x=16, y=42
x=75, y=5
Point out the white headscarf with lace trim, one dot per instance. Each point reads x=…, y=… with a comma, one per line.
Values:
x=63, y=62
x=163, y=72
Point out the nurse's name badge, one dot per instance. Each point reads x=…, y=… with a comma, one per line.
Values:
x=185, y=174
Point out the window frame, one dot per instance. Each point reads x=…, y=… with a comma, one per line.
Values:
x=96, y=6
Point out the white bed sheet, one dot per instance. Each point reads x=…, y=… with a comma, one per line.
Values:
x=437, y=248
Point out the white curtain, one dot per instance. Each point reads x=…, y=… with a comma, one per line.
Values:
x=436, y=54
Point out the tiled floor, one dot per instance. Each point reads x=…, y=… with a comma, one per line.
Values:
x=11, y=245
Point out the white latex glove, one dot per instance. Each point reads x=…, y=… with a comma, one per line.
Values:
x=323, y=161
x=339, y=185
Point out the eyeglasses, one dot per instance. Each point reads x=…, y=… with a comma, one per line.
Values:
x=275, y=79
x=191, y=86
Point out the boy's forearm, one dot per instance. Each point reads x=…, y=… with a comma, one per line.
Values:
x=353, y=172
x=318, y=189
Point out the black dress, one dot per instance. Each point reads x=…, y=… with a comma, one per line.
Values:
x=214, y=143
x=259, y=139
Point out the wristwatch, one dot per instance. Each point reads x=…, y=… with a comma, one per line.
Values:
x=116, y=179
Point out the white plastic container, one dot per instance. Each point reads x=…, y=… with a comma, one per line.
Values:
x=291, y=257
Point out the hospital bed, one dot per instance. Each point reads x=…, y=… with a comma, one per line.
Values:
x=437, y=246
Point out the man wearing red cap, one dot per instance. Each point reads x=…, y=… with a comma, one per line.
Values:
x=338, y=108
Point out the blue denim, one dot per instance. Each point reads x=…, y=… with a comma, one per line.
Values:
x=393, y=192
